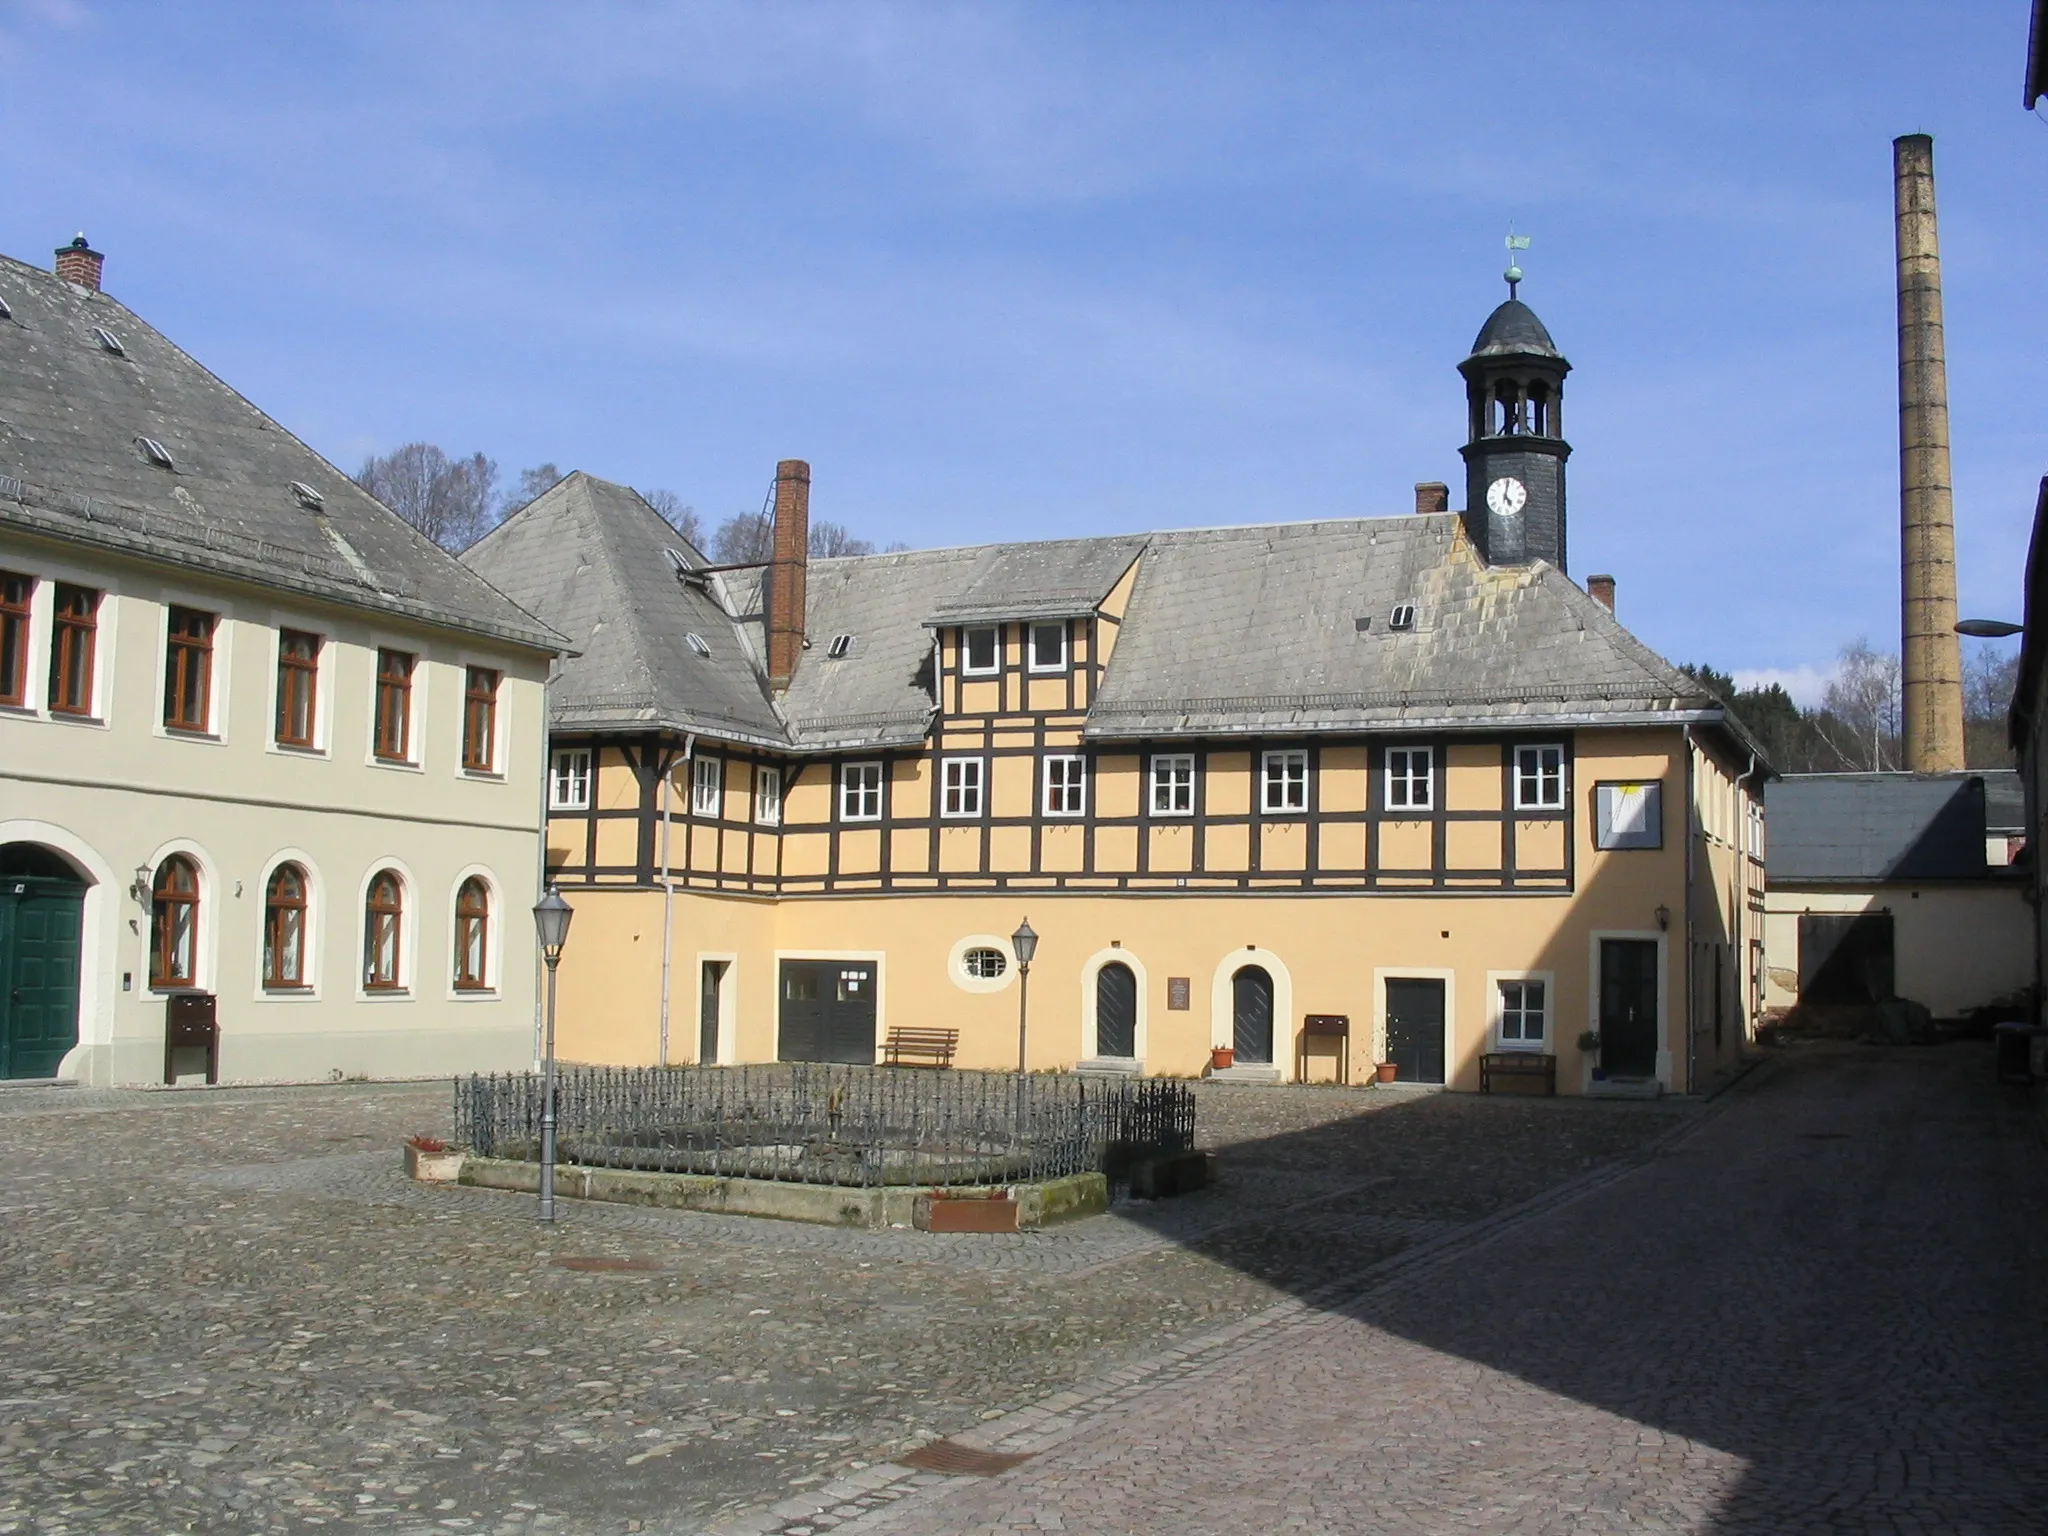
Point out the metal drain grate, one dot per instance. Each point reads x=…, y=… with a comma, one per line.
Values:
x=597, y=1265
x=961, y=1460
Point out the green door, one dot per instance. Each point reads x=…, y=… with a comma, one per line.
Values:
x=41, y=920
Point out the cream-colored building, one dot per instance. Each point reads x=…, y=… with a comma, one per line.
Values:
x=265, y=753
x=1397, y=770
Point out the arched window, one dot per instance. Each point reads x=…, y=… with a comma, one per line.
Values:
x=472, y=935
x=383, y=921
x=174, y=924
x=284, y=928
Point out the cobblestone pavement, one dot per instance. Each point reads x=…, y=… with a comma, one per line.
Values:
x=226, y=1310
x=1820, y=1311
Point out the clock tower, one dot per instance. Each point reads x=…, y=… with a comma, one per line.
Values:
x=1515, y=448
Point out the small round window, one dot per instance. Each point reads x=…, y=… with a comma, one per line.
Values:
x=985, y=964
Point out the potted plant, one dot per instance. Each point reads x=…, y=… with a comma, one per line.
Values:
x=1222, y=1057
x=430, y=1159
x=1385, y=1071
x=1589, y=1045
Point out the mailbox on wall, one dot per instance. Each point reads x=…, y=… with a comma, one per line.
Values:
x=191, y=1024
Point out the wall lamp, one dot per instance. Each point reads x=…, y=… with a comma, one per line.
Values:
x=1663, y=916
x=144, y=888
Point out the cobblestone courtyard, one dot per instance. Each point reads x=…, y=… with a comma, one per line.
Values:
x=227, y=1310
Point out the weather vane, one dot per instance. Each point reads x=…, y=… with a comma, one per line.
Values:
x=1514, y=272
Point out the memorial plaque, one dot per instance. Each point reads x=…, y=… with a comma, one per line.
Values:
x=1177, y=993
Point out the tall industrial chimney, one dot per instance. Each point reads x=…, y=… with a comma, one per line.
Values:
x=1931, y=662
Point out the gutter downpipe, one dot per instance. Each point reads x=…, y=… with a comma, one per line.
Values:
x=668, y=890
x=1742, y=862
x=1694, y=825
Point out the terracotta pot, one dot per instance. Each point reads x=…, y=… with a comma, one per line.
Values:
x=1222, y=1057
x=1385, y=1072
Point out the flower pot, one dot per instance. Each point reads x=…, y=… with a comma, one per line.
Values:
x=443, y=1167
x=1222, y=1057
x=1385, y=1071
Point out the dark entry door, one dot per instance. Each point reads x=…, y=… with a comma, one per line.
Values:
x=1251, y=1003
x=41, y=923
x=828, y=1011
x=1116, y=1011
x=707, y=1010
x=1846, y=958
x=1628, y=1007
x=1415, y=1028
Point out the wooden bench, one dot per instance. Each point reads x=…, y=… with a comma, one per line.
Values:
x=1518, y=1064
x=920, y=1047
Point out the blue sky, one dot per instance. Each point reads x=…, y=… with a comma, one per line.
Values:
x=1030, y=270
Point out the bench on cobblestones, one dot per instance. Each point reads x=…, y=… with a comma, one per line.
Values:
x=1530, y=1064
x=921, y=1047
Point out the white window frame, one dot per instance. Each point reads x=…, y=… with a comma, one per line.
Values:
x=962, y=782
x=707, y=787
x=1498, y=983
x=1031, y=633
x=1292, y=786
x=1407, y=779
x=1065, y=779
x=1174, y=773
x=1553, y=782
x=767, y=795
x=967, y=666
x=858, y=784
x=579, y=777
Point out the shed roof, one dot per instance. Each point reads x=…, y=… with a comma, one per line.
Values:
x=1879, y=828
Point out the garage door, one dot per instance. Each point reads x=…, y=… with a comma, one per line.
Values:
x=828, y=1011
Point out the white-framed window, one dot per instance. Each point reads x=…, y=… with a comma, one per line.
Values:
x=1524, y=1014
x=707, y=785
x=981, y=651
x=860, y=792
x=1066, y=786
x=768, y=796
x=1539, y=778
x=1049, y=647
x=984, y=962
x=1756, y=829
x=1284, y=783
x=1409, y=786
x=960, y=786
x=569, y=780
x=1173, y=784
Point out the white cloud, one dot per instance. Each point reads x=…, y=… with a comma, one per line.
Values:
x=1805, y=682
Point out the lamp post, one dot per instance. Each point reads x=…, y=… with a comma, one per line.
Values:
x=1025, y=942
x=1988, y=629
x=551, y=917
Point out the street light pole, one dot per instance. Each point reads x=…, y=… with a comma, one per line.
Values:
x=1026, y=945
x=551, y=917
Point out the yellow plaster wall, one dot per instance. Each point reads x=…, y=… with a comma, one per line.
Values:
x=1472, y=778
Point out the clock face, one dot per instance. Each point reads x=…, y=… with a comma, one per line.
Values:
x=1506, y=496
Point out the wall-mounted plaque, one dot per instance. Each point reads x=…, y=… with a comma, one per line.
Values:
x=1177, y=993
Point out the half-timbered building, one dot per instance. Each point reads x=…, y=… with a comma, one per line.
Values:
x=1324, y=794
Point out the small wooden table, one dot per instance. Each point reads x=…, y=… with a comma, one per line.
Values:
x=1325, y=1026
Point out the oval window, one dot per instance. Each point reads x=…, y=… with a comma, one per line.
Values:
x=985, y=964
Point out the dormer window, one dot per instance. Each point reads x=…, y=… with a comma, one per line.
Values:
x=981, y=652
x=1049, y=647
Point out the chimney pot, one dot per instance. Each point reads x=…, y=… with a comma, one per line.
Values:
x=1432, y=496
x=1602, y=590
x=788, y=570
x=79, y=263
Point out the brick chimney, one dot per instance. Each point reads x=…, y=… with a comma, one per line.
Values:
x=787, y=570
x=1602, y=590
x=1432, y=496
x=79, y=263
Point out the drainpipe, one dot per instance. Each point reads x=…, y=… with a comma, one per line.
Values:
x=1742, y=857
x=668, y=890
x=1691, y=820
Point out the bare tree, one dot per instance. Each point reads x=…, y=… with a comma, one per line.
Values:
x=676, y=514
x=1864, y=701
x=829, y=538
x=746, y=538
x=533, y=484
x=451, y=501
x=1990, y=673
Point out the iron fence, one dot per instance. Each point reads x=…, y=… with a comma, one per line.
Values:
x=831, y=1124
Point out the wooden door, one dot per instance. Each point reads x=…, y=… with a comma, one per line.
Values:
x=827, y=1012
x=1251, y=999
x=41, y=933
x=1629, y=988
x=711, y=991
x=1116, y=1011
x=1415, y=1028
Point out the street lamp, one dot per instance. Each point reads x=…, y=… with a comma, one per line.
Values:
x=1025, y=942
x=1988, y=629
x=551, y=917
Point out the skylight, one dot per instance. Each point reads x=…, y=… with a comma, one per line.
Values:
x=6, y=310
x=1403, y=616
x=110, y=341
x=156, y=453
x=678, y=561
x=841, y=644
x=697, y=644
x=309, y=498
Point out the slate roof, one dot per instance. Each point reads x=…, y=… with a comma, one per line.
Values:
x=1514, y=331
x=71, y=467
x=593, y=557
x=1228, y=631
x=1877, y=828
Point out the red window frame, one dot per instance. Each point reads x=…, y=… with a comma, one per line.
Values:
x=298, y=687
x=73, y=628
x=394, y=705
x=472, y=936
x=384, y=914
x=284, y=928
x=17, y=592
x=174, y=924
x=480, y=720
x=188, y=669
